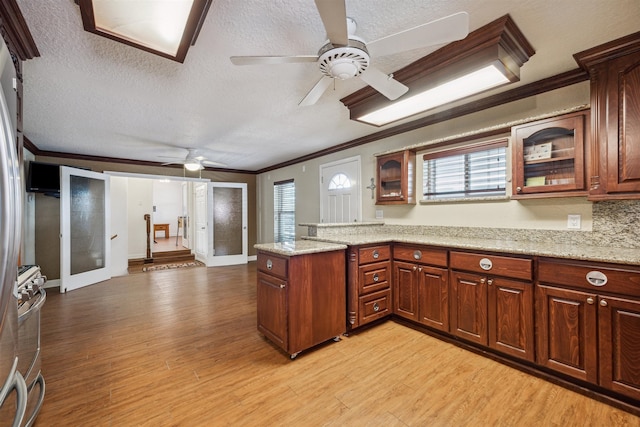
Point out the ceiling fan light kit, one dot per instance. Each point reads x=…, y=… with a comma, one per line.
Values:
x=193, y=166
x=489, y=57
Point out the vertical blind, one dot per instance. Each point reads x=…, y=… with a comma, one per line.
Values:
x=284, y=211
x=473, y=173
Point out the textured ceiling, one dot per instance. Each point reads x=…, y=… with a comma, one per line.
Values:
x=93, y=96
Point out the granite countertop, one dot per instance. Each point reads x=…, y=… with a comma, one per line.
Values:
x=300, y=247
x=569, y=251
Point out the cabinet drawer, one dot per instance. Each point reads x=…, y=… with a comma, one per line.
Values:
x=493, y=265
x=271, y=264
x=374, y=277
x=592, y=277
x=421, y=254
x=375, y=306
x=374, y=254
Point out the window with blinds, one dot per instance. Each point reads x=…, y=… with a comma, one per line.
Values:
x=284, y=211
x=466, y=173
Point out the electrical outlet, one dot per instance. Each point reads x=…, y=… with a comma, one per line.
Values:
x=573, y=221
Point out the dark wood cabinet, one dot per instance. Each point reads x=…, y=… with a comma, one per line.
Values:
x=614, y=68
x=567, y=339
x=492, y=302
x=589, y=323
x=368, y=284
x=396, y=178
x=421, y=285
x=549, y=157
x=301, y=299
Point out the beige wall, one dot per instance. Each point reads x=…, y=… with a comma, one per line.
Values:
x=550, y=214
x=47, y=217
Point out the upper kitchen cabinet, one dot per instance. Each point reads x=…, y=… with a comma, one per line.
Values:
x=396, y=179
x=549, y=157
x=614, y=167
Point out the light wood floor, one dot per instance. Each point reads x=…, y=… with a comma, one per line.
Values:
x=180, y=348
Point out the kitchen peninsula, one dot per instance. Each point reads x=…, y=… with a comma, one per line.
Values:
x=301, y=293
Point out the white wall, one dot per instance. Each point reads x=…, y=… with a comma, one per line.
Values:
x=549, y=214
x=167, y=199
x=139, y=202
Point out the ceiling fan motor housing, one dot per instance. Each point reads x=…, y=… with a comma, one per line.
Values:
x=344, y=62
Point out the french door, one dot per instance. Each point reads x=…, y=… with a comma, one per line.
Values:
x=85, y=246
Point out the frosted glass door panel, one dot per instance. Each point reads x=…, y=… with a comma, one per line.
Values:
x=88, y=246
x=227, y=221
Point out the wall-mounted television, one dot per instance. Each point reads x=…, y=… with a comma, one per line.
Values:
x=44, y=178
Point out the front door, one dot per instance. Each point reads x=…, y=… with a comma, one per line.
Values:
x=228, y=216
x=340, y=191
x=85, y=245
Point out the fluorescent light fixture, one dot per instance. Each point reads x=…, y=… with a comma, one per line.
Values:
x=488, y=57
x=164, y=27
x=475, y=82
x=193, y=166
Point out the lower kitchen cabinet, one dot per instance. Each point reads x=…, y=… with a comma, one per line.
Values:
x=301, y=299
x=589, y=323
x=368, y=284
x=491, y=310
x=421, y=285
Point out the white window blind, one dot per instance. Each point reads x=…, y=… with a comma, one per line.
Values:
x=469, y=172
x=284, y=211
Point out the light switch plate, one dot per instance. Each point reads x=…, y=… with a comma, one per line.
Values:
x=573, y=222
x=379, y=214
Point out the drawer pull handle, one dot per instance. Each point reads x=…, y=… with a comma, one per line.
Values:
x=376, y=255
x=597, y=278
x=269, y=264
x=376, y=307
x=486, y=264
x=375, y=277
x=590, y=300
x=604, y=303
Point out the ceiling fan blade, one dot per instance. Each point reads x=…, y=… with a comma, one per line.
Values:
x=260, y=60
x=334, y=18
x=383, y=83
x=444, y=30
x=316, y=92
x=211, y=163
x=171, y=163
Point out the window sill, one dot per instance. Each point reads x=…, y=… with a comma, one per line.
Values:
x=467, y=200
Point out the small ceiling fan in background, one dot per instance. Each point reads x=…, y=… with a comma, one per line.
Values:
x=345, y=55
x=195, y=160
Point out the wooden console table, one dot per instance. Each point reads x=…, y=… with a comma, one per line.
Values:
x=161, y=227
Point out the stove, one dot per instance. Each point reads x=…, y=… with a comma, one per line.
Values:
x=31, y=298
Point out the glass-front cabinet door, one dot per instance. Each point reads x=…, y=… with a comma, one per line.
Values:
x=549, y=157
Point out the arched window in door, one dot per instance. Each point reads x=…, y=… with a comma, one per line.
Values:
x=339, y=181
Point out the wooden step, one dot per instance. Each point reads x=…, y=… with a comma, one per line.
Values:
x=165, y=257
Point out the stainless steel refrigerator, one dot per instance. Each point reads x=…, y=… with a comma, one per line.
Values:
x=13, y=389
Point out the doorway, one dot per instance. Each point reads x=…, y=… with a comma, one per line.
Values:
x=340, y=191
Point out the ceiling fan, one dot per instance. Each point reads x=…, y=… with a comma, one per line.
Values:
x=344, y=55
x=195, y=160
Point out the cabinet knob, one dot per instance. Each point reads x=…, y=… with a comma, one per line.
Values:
x=604, y=303
x=375, y=277
x=490, y=282
x=519, y=189
x=376, y=255
x=590, y=300
x=281, y=285
x=376, y=307
x=483, y=280
x=420, y=269
x=415, y=268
